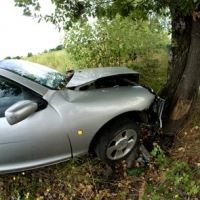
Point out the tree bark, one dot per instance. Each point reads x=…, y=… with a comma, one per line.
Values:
x=182, y=85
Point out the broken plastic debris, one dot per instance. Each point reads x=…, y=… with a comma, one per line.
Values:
x=50, y=196
x=130, y=159
x=144, y=152
x=141, y=161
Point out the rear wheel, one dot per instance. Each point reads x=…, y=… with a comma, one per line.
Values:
x=118, y=140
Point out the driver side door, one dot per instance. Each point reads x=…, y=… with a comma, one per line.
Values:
x=31, y=142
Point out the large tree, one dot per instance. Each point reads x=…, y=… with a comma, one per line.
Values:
x=182, y=83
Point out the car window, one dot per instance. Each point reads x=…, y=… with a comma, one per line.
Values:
x=10, y=93
x=40, y=74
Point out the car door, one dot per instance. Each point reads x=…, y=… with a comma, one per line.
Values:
x=35, y=141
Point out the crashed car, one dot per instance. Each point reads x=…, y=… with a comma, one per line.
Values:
x=47, y=117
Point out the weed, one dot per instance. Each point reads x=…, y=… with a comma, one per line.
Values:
x=180, y=179
x=123, y=195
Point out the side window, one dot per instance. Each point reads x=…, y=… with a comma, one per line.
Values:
x=10, y=93
x=32, y=96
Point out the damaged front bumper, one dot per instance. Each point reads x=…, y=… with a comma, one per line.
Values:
x=156, y=115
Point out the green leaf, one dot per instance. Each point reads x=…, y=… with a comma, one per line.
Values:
x=149, y=189
x=198, y=171
x=154, y=152
x=161, y=189
x=155, y=197
x=192, y=183
x=144, y=198
x=166, y=160
x=168, y=196
x=161, y=167
x=185, y=179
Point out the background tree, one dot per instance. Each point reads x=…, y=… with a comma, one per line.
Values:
x=182, y=82
x=7, y=57
x=16, y=57
x=29, y=54
x=59, y=47
x=53, y=49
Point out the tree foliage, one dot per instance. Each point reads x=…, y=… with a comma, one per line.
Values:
x=116, y=42
x=29, y=54
x=16, y=57
x=7, y=57
x=59, y=47
x=69, y=11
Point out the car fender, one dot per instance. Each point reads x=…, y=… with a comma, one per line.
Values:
x=87, y=111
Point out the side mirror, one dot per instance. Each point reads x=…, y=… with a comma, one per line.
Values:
x=20, y=111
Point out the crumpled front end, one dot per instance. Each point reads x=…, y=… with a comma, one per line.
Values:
x=152, y=117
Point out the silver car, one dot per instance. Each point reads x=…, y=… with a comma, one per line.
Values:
x=48, y=117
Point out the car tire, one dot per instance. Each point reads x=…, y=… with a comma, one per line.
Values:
x=117, y=140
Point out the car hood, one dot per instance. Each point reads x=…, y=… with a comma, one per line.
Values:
x=90, y=75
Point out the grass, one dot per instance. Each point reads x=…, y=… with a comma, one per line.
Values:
x=79, y=178
x=59, y=60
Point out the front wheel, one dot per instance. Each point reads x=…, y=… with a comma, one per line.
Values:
x=118, y=140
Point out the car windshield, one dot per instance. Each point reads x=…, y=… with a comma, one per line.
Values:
x=38, y=73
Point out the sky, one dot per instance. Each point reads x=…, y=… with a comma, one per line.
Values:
x=20, y=35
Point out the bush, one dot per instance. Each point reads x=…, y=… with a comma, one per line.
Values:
x=29, y=54
x=6, y=58
x=59, y=47
x=16, y=57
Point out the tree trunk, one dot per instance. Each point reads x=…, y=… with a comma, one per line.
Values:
x=182, y=85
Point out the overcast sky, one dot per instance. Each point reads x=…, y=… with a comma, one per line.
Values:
x=20, y=35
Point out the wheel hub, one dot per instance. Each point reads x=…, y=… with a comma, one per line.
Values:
x=121, y=144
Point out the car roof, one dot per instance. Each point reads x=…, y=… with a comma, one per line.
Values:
x=85, y=76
